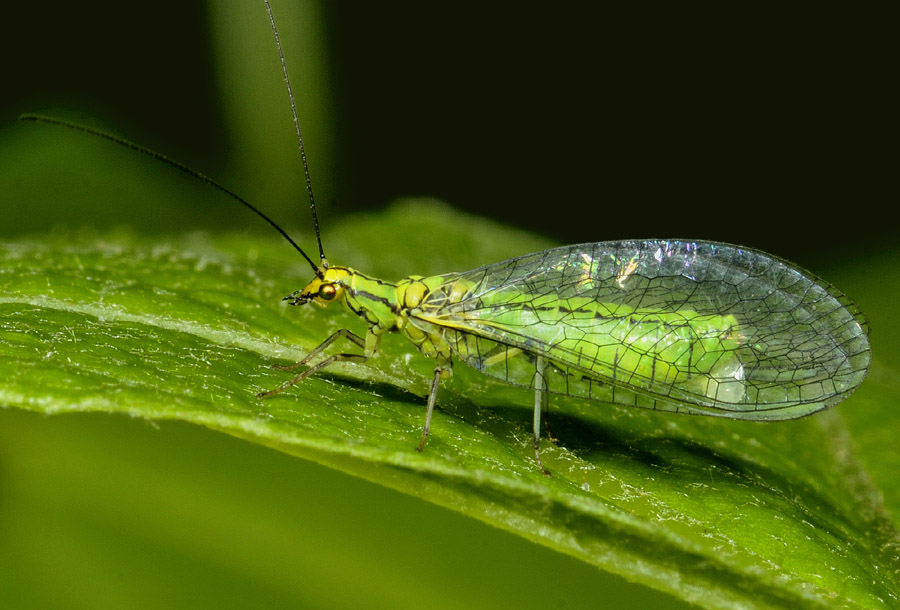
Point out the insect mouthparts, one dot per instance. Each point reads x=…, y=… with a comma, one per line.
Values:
x=296, y=298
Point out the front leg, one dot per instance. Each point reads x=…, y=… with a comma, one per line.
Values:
x=347, y=334
x=369, y=344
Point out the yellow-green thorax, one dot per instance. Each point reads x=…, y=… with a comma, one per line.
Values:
x=385, y=306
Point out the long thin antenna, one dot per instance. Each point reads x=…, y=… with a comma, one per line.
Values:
x=171, y=162
x=287, y=82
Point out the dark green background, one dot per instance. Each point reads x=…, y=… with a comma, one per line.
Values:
x=766, y=129
x=758, y=127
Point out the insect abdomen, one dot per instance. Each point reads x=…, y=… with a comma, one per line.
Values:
x=643, y=348
x=635, y=347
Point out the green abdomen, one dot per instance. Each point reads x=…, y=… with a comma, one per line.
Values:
x=597, y=346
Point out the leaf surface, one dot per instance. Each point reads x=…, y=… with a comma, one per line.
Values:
x=721, y=513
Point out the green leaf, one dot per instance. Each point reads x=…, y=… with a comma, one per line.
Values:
x=719, y=513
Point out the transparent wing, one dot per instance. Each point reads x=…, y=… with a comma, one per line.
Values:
x=697, y=327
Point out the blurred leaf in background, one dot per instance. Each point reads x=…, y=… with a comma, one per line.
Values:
x=110, y=512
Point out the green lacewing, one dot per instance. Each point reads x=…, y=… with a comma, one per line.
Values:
x=693, y=327
x=696, y=327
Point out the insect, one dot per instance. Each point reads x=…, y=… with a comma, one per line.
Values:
x=694, y=327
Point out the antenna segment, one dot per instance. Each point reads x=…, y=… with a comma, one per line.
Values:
x=287, y=82
x=173, y=163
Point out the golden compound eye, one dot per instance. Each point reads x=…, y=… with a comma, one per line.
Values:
x=327, y=292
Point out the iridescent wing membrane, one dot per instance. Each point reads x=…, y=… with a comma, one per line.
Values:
x=693, y=327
